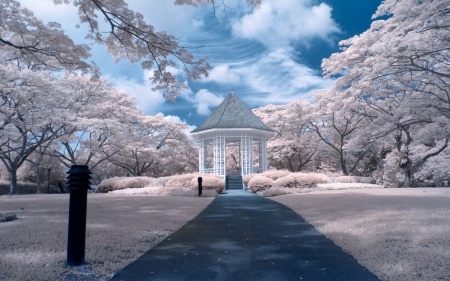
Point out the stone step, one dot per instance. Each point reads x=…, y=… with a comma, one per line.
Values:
x=234, y=182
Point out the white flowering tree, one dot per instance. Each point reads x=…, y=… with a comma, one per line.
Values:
x=336, y=122
x=294, y=146
x=32, y=113
x=156, y=146
x=435, y=171
x=29, y=43
x=33, y=44
x=397, y=71
x=101, y=113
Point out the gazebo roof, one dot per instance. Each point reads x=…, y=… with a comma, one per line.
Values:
x=232, y=113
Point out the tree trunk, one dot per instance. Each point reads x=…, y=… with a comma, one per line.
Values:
x=343, y=165
x=407, y=181
x=38, y=178
x=13, y=177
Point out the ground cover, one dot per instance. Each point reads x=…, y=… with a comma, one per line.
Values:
x=398, y=234
x=119, y=230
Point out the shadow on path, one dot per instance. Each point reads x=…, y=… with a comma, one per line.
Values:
x=241, y=236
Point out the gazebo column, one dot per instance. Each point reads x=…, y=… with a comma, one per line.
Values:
x=219, y=155
x=263, y=154
x=202, y=156
x=246, y=154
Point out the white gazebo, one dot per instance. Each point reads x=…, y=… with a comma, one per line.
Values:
x=232, y=124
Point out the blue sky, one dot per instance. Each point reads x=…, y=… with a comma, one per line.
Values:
x=270, y=55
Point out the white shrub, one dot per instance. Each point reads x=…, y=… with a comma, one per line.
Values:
x=275, y=191
x=247, y=178
x=210, y=182
x=340, y=185
x=159, y=182
x=275, y=174
x=108, y=185
x=188, y=193
x=259, y=182
x=164, y=191
x=354, y=179
x=301, y=180
x=127, y=183
x=288, y=181
x=138, y=191
x=143, y=181
x=310, y=179
x=190, y=181
x=182, y=181
x=117, y=183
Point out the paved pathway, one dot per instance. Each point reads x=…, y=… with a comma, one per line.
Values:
x=241, y=236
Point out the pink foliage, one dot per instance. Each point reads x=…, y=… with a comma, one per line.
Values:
x=247, y=178
x=288, y=181
x=353, y=179
x=190, y=182
x=117, y=183
x=301, y=180
x=259, y=183
x=275, y=174
x=128, y=183
x=210, y=182
x=182, y=181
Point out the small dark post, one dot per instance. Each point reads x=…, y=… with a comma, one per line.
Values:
x=200, y=186
x=78, y=187
x=48, y=181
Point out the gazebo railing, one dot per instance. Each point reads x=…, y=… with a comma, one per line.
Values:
x=207, y=171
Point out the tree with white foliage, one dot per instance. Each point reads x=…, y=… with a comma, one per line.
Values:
x=294, y=145
x=31, y=43
x=398, y=72
x=32, y=112
x=435, y=171
x=101, y=114
x=335, y=123
x=154, y=145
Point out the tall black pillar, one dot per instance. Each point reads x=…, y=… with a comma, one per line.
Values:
x=79, y=176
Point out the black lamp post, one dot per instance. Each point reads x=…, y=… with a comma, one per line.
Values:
x=78, y=186
x=48, y=181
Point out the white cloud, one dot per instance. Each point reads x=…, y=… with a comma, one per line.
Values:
x=177, y=119
x=204, y=99
x=277, y=23
x=222, y=74
x=285, y=80
x=148, y=101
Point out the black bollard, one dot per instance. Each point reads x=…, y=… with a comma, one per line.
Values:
x=78, y=187
x=200, y=186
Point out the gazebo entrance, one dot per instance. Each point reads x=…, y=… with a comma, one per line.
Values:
x=235, y=130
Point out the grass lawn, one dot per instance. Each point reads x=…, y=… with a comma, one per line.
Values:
x=398, y=234
x=119, y=230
